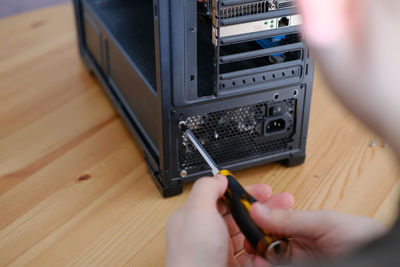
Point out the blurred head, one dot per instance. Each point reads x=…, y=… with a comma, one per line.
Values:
x=356, y=43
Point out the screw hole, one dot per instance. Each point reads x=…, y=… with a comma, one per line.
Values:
x=296, y=93
x=244, y=81
x=273, y=76
x=283, y=74
x=264, y=78
x=233, y=83
x=254, y=79
x=276, y=96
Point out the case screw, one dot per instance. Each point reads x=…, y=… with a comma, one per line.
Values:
x=183, y=173
x=181, y=124
x=372, y=143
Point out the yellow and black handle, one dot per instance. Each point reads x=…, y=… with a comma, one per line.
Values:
x=271, y=246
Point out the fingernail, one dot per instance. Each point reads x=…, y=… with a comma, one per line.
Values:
x=260, y=208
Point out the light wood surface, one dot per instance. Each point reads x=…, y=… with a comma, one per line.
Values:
x=74, y=188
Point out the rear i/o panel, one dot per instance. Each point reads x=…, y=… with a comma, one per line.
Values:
x=256, y=44
x=236, y=71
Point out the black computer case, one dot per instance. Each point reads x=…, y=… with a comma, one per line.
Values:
x=236, y=71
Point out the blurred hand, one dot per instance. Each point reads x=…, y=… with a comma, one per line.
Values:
x=356, y=43
x=203, y=233
x=317, y=235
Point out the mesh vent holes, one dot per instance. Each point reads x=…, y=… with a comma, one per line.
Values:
x=235, y=134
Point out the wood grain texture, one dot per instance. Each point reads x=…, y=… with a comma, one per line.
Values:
x=74, y=188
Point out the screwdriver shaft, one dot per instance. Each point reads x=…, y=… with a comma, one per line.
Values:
x=200, y=148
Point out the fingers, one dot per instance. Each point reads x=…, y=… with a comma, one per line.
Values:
x=222, y=208
x=282, y=201
x=248, y=247
x=261, y=192
x=256, y=261
x=307, y=224
x=237, y=242
x=279, y=201
x=233, y=229
x=260, y=262
x=206, y=192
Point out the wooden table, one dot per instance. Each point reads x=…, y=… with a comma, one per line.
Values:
x=74, y=188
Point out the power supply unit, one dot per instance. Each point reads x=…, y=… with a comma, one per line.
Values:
x=236, y=71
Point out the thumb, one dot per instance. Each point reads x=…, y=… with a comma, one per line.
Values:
x=306, y=224
x=206, y=191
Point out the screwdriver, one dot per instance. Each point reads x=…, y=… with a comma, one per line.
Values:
x=273, y=247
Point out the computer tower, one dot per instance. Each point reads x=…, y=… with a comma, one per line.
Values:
x=236, y=71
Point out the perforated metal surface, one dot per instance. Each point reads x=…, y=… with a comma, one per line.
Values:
x=236, y=134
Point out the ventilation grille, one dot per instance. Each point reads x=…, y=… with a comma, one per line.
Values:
x=237, y=134
x=244, y=9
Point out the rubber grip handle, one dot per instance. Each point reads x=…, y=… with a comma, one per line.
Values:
x=239, y=202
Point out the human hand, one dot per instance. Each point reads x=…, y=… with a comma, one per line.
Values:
x=203, y=233
x=357, y=45
x=317, y=235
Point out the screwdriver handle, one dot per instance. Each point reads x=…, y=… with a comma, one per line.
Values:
x=266, y=244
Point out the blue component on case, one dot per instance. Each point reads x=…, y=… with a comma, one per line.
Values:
x=271, y=42
x=264, y=43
